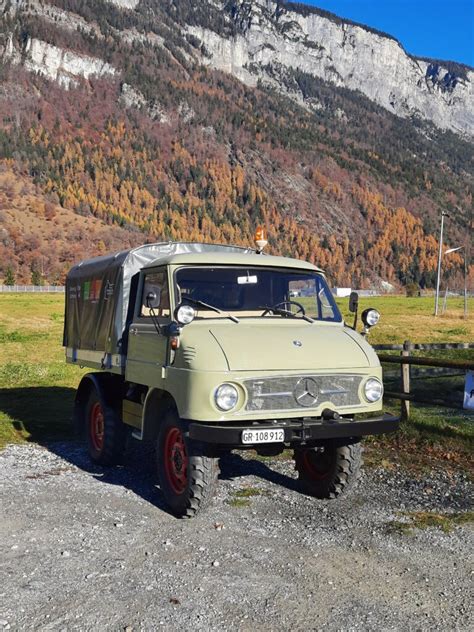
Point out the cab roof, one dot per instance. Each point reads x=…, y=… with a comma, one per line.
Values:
x=231, y=259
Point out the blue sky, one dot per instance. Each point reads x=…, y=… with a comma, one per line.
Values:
x=442, y=29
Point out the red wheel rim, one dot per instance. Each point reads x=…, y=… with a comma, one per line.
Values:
x=96, y=426
x=176, y=460
x=317, y=465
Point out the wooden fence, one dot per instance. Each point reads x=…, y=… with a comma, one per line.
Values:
x=405, y=360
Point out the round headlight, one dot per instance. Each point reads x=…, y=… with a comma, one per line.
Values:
x=370, y=317
x=373, y=390
x=226, y=397
x=185, y=314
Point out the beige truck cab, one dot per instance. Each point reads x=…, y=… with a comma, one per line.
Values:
x=201, y=349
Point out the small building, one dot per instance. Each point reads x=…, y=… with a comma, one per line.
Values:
x=341, y=292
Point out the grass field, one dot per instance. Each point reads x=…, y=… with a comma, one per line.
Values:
x=412, y=319
x=37, y=387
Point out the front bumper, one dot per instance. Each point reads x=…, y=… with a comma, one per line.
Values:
x=297, y=431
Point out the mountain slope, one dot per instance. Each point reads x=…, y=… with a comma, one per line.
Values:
x=39, y=237
x=109, y=109
x=267, y=34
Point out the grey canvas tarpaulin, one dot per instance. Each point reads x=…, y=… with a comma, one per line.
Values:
x=98, y=293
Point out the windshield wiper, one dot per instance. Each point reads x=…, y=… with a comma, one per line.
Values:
x=285, y=312
x=211, y=307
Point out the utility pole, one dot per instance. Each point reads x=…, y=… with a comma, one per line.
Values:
x=465, y=282
x=467, y=259
x=440, y=254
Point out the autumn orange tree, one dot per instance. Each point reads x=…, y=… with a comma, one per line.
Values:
x=208, y=159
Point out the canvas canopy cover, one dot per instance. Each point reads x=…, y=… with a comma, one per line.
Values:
x=98, y=293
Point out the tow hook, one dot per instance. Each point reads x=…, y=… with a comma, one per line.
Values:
x=305, y=431
x=330, y=415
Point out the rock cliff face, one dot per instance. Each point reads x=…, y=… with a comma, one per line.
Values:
x=268, y=35
x=11, y=5
x=53, y=62
x=125, y=4
x=269, y=41
x=61, y=65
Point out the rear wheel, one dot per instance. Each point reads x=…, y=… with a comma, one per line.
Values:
x=187, y=478
x=105, y=431
x=327, y=471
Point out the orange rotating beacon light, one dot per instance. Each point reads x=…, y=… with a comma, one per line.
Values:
x=260, y=238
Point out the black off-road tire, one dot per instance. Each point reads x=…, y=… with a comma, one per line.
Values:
x=328, y=472
x=107, y=447
x=187, y=478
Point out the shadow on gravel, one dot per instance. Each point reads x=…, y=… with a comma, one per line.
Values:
x=44, y=413
x=136, y=474
x=234, y=466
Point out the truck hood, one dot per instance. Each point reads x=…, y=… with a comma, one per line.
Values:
x=291, y=347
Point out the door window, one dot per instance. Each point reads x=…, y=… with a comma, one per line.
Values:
x=156, y=283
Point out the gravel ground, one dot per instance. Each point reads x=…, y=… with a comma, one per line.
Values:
x=85, y=548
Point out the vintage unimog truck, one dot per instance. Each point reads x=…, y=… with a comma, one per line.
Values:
x=202, y=349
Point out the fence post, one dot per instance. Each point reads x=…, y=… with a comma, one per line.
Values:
x=405, y=374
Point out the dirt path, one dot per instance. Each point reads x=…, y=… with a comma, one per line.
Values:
x=84, y=548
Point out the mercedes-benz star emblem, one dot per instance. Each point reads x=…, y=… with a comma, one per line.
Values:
x=306, y=392
x=297, y=343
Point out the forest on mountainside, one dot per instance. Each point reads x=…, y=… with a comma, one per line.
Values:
x=203, y=157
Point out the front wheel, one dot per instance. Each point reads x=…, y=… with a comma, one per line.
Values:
x=187, y=478
x=329, y=470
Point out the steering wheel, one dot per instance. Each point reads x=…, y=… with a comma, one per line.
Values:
x=281, y=308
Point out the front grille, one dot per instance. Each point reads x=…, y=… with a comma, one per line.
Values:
x=189, y=354
x=299, y=392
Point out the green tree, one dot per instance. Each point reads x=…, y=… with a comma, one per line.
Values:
x=9, y=276
x=36, y=278
x=412, y=289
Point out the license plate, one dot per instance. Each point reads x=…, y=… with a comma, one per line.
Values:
x=273, y=435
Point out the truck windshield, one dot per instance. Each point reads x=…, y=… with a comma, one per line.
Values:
x=258, y=292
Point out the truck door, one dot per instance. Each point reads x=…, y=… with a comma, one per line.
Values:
x=148, y=349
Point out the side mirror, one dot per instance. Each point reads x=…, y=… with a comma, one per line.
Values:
x=353, y=302
x=354, y=307
x=152, y=300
